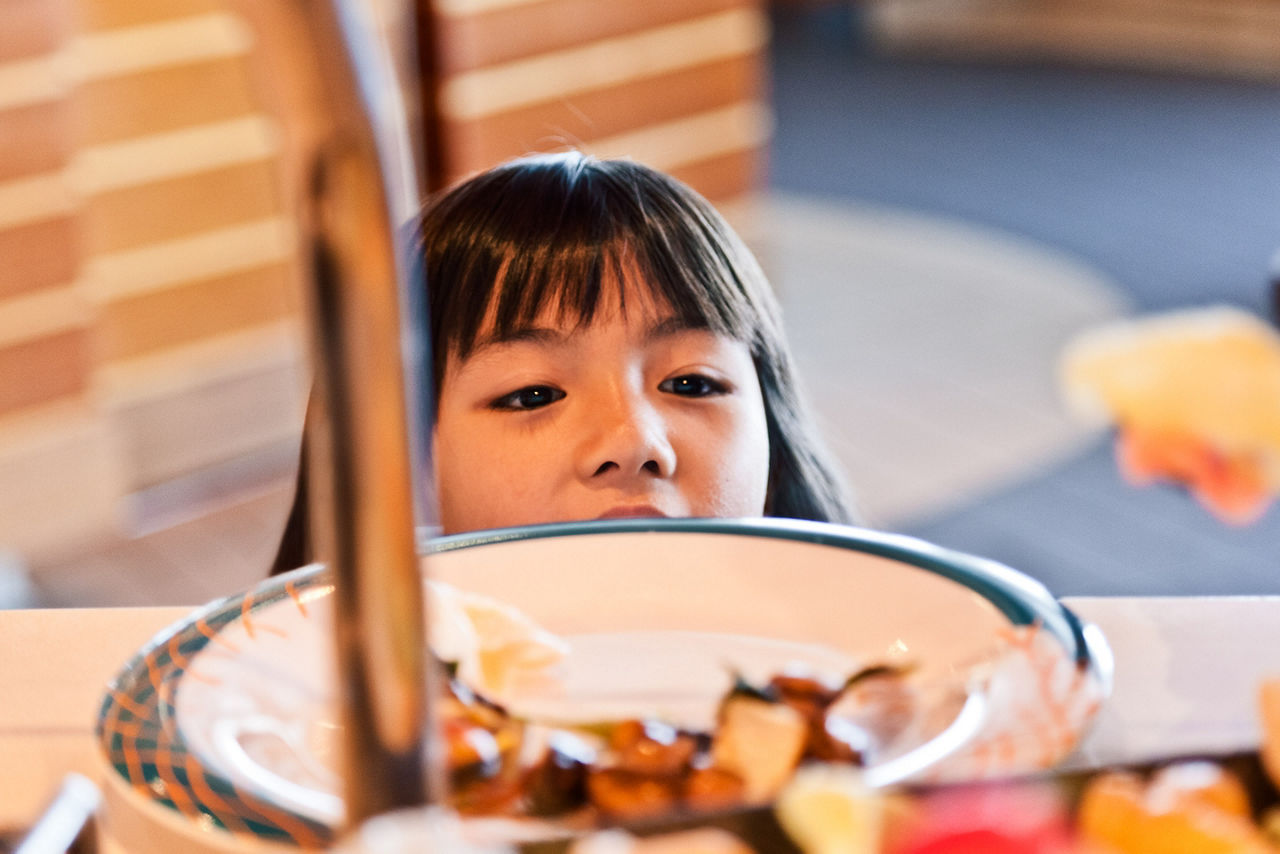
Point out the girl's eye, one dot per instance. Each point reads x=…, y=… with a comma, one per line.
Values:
x=692, y=385
x=529, y=397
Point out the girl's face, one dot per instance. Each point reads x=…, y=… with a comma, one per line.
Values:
x=633, y=414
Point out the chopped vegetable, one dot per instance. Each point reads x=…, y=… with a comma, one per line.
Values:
x=651, y=747
x=631, y=795
x=557, y=782
x=712, y=787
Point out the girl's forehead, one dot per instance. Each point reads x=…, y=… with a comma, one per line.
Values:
x=631, y=296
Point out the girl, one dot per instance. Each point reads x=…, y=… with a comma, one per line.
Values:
x=604, y=346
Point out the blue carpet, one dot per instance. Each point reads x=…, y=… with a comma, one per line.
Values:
x=1082, y=531
x=1169, y=184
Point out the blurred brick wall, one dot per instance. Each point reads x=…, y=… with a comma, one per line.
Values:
x=148, y=351
x=58, y=476
x=1231, y=37
x=678, y=84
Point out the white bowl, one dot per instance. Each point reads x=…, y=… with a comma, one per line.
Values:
x=657, y=612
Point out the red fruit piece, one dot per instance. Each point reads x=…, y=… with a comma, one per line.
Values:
x=988, y=819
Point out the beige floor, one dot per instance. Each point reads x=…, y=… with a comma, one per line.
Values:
x=927, y=346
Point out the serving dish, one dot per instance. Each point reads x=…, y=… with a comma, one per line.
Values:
x=226, y=719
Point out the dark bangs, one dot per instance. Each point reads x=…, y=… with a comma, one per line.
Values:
x=552, y=233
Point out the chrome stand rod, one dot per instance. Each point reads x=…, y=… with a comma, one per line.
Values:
x=362, y=464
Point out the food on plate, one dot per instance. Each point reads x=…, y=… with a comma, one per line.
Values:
x=1182, y=807
x=1195, y=398
x=635, y=769
x=827, y=809
x=1179, y=807
x=992, y=818
x=501, y=764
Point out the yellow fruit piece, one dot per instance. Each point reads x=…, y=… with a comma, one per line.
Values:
x=827, y=809
x=1205, y=783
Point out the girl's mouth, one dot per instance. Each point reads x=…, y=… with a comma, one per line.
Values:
x=631, y=511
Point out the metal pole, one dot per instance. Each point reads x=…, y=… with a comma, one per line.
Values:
x=361, y=190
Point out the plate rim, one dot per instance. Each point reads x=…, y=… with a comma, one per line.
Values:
x=1019, y=597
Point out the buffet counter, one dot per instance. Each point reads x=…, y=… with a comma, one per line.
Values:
x=1186, y=676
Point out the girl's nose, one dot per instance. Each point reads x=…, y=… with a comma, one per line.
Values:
x=629, y=440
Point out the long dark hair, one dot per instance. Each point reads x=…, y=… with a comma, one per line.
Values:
x=550, y=230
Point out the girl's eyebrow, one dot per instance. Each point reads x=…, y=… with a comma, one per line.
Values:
x=672, y=325
x=546, y=336
x=523, y=334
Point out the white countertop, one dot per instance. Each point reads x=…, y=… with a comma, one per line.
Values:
x=1187, y=671
x=1186, y=675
